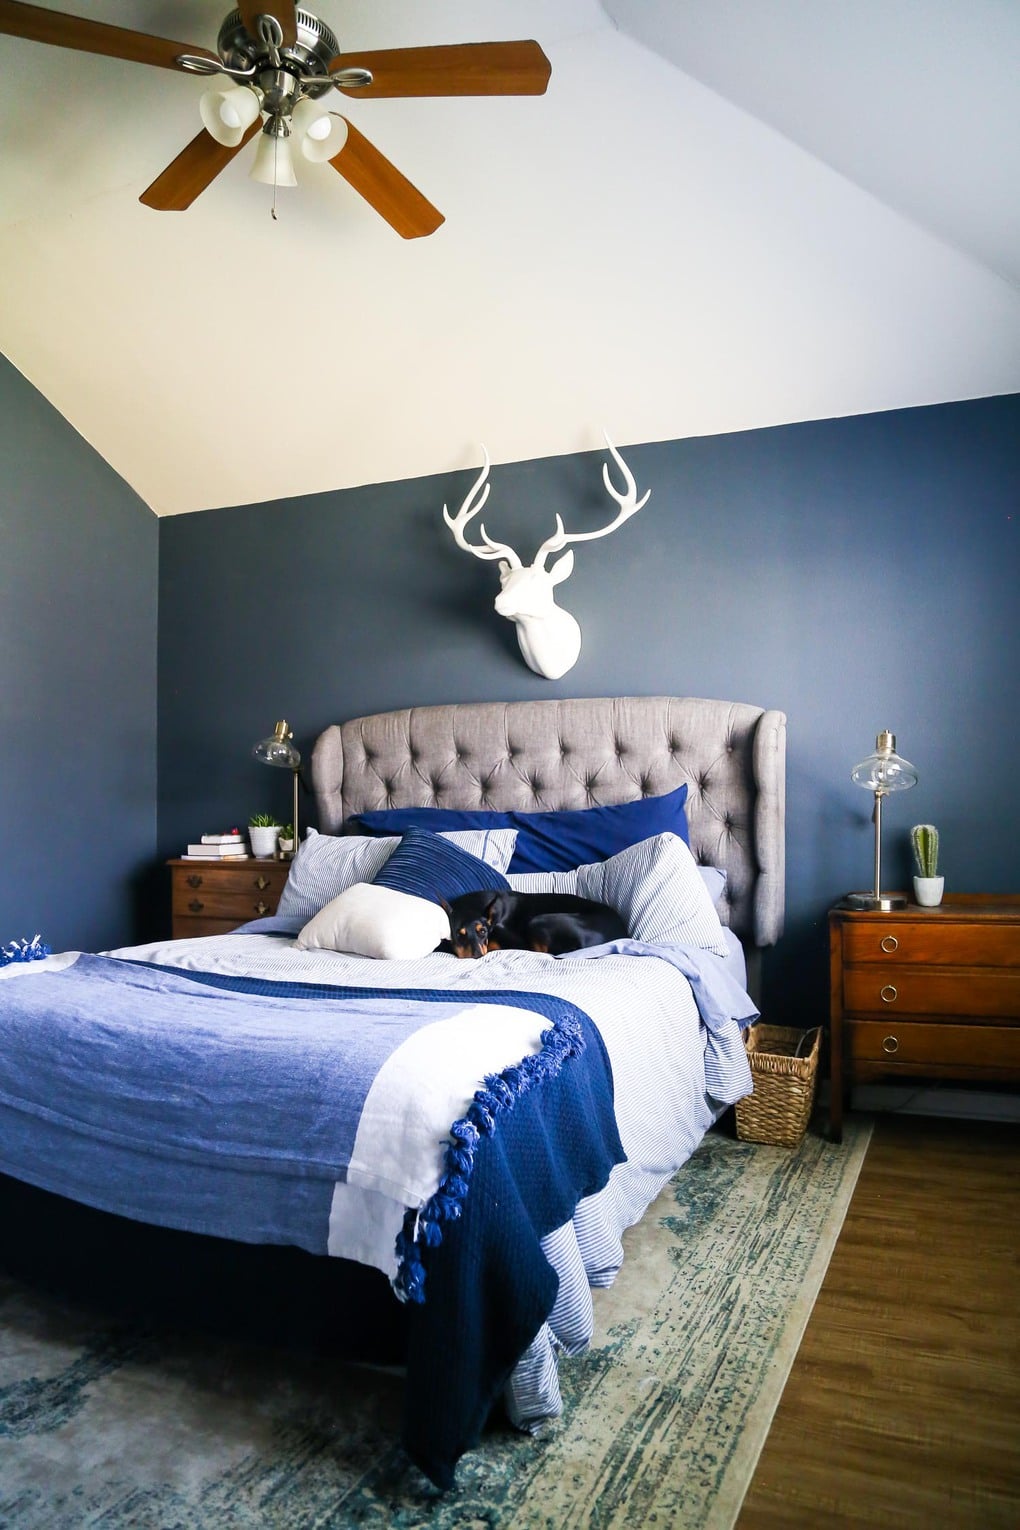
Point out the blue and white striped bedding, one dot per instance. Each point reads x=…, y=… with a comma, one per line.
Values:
x=673, y=1070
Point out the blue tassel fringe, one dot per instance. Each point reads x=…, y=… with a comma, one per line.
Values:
x=500, y=1092
x=23, y=951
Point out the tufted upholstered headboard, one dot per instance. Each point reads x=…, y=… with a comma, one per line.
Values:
x=532, y=755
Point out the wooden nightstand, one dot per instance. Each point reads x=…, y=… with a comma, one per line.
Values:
x=212, y=897
x=924, y=992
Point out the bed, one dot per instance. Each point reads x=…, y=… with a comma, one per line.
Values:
x=478, y=1134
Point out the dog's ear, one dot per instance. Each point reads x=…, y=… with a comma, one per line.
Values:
x=447, y=909
x=498, y=906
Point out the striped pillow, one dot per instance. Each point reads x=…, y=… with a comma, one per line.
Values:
x=657, y=890
x=327, y=864
x=430, y=866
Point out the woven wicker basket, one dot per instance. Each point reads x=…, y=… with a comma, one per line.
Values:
x=784, y=1067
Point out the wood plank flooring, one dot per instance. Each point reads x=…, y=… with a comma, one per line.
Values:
x=903, y=1405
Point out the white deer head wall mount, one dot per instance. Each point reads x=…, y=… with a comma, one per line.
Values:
x=549, y=637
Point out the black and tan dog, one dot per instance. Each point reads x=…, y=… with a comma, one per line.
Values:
x=550, y=922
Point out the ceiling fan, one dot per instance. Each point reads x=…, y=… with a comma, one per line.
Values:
x=278, y=66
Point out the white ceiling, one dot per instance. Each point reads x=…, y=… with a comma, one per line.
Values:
x=720, y=216
x=917, y=101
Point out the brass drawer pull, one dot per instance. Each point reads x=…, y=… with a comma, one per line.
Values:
x=890, y=1044
x=261, y=884
x=888, y=994
x=890, y=943
x=261, y=908
x=196, y=906
x=194, y=880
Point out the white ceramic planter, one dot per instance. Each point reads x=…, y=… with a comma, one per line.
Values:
x=263, y=840
x=928, y=891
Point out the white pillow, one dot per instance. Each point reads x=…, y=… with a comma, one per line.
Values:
x=327, y=864
x=370, y=920
x=655, y=888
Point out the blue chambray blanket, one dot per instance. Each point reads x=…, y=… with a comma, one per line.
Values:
x=244, y=1096
x=449, y=1125
x=233, y=1106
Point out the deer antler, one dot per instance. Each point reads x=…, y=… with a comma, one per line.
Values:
x=626, y=499
x=458, y=523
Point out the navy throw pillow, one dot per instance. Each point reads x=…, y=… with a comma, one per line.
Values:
x=427, y=866
x=551, y=841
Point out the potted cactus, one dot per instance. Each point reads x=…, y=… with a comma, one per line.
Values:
x=924, y=838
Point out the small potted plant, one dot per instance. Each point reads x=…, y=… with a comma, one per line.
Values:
x=286, y=841
x=263, y=831
x=924, y=837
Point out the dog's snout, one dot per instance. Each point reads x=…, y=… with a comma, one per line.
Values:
x=471, y=940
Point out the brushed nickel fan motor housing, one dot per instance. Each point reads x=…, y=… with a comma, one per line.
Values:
x=312, y=53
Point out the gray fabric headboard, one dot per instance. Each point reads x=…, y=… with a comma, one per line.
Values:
x=532, y=755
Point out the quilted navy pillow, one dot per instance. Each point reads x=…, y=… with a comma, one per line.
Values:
x=428, y=866
x=552, y=841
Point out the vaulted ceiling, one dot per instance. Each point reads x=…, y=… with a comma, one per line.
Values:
x=718, y=217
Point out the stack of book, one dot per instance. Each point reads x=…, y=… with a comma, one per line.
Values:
x=219, y=847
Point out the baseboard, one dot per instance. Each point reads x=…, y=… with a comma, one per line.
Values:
x=932, y=1100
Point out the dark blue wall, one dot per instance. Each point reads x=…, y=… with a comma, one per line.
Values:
x=78, y=553
x=858, y=574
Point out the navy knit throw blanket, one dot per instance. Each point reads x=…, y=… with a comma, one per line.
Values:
x=489, y=1285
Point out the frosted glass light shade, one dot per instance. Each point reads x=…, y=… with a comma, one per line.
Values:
x=273, y=164
x=321, y=133
x=228, y=114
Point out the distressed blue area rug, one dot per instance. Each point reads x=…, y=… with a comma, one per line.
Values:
x=112, y=1423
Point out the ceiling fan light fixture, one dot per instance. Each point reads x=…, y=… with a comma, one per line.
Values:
x=273, y=164
x=320, y=133
x=228, y=114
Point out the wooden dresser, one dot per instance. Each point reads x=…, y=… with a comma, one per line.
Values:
x=924, y=992
x=212, y=897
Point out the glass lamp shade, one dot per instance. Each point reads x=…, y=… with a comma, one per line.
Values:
x=228, y=114
x=882, y=772
x=273, y=164
x=278, y=749
x=320, y=133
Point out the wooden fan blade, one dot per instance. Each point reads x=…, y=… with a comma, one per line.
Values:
x=39, y=25
x=371, y=174
x=192, y=171
x=285, y=12
x=452, y=69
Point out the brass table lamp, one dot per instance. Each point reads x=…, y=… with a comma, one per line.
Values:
x=882, y=772
x=279, y=749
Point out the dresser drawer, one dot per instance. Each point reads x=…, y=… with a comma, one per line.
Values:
x=942, y=943
x=931, y=1048
x=928, y=991
x=924, y=992
x=210, y=899
x=212, y=902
